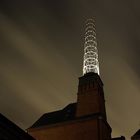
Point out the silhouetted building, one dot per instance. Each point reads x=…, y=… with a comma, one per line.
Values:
x=10, y=131
x=136, y=136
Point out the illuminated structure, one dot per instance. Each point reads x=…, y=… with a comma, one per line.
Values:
x=86, y=119
x=90, y=63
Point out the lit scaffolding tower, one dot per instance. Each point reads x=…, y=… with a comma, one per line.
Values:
x=90, y=63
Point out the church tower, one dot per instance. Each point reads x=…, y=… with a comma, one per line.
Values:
x=90, y=90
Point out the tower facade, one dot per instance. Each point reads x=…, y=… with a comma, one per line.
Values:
x=90, y=90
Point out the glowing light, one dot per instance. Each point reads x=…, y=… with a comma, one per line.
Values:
x=90, y=63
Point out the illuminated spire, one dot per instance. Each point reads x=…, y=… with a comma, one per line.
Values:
x=90, y=63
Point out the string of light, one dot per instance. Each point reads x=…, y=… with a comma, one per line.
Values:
x=91, y=63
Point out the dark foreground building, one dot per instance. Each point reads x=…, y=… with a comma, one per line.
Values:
x=136, y=136
x=10, y=131
x=86, y=119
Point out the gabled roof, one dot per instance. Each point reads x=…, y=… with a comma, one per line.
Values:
x=65, y=114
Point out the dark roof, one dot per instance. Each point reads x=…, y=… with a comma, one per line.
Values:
x=65, y=114
x=137, y=134
x=9, y=127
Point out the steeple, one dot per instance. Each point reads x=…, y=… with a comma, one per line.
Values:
x=90, y=63
x=90, y=97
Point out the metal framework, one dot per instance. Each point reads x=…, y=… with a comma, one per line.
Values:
x=90, y=63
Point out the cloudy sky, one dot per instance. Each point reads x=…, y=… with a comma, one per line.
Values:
x=41, y=54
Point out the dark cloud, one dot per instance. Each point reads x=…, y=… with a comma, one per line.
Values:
x=41, y=53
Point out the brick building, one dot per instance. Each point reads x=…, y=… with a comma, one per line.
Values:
x=83, y=120
x=86, y=119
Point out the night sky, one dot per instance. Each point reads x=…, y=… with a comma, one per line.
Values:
x=41, y=57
